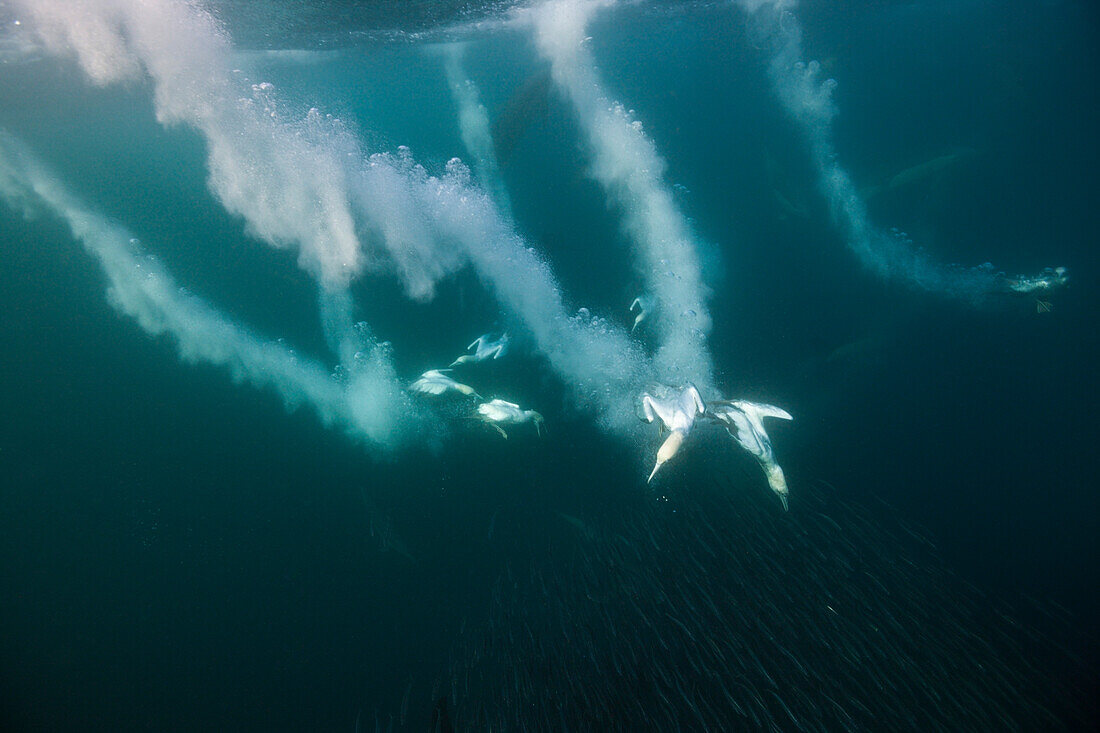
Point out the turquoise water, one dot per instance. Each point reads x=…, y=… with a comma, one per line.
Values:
x=225, y=509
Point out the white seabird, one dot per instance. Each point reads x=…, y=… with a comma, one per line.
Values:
x=677, y=412
x=485, y=348
x=641, y=303
x=1046, y=282
x=497, y=412
x=744, y=421
x=435, y=382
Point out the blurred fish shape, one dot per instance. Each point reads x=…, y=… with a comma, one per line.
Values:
x=578, y=524
x=382, y=530
x=927, y=173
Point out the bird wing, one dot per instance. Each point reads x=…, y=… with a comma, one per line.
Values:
x=695, y=404
x=428, y=386
x=749, y=434
x=759, y=411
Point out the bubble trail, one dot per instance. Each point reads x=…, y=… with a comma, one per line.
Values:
x=474, y=127
x=370, y=404
x=627, y=165
x=808, y=98
x=308, y=183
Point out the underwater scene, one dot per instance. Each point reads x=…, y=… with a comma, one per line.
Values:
x=564, y=365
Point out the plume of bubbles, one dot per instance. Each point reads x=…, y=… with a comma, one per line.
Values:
x=807, y=96
x=473, y=125
x=365, y=403
x=308, y=184
x=625, y=162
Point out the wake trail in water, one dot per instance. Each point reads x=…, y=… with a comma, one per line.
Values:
x=309, y=184
x=140, y=288
x=595, y=362
x=807, y=97
x=474, y=127
x=597, y=358
x=627, y=165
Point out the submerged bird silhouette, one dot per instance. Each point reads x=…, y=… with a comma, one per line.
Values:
x=744, y=421
x=642, y=304
x=497, y=412
x=485, y=348
x=1046, y=282
x=435, y=382
x=677, y=412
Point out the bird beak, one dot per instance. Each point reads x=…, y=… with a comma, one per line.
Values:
x=668, y=450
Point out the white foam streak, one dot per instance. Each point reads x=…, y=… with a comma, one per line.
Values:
x=395, y=192
x=371, y=407
x=626, y=163
x=289, y=180
x=309, y=184
x=285, y=186
x=807, y=97
x=94, y=32
x=473, y=125
x=605, y=368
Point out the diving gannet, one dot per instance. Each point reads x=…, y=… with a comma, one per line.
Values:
x=484, y=348
x=677, y=412
x=1046, y=282
x=642, y=304
x=497, y=412
x=435, y=382
x=743, y=420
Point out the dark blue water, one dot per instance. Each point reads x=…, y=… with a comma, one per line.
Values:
x=180, y=552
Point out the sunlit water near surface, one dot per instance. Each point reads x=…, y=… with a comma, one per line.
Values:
x=273, y=533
